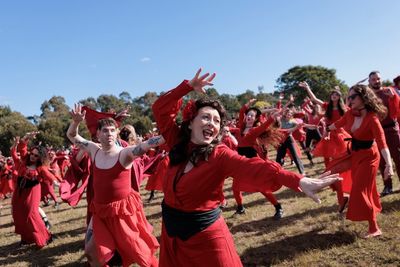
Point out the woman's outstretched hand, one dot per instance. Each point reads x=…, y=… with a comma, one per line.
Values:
x=310, y=186
x=198, y=82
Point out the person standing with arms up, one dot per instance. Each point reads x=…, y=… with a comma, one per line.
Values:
x=119, y=223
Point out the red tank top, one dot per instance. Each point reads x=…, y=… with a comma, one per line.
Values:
x=111, y=184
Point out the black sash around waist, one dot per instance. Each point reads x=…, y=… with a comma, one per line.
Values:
x=247, y=151
x=359, y=144
x=183, y=224
x=26, y=183
x=389, y=125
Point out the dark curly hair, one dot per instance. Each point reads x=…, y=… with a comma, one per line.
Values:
x=371, y=101
x=179, y=153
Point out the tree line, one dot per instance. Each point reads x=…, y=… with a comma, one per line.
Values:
x=54, y=119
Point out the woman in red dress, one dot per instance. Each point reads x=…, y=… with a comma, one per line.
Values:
x=333, y=144
x=193, y=232
x=367, y=139
x=26, y=198
x=251, y=124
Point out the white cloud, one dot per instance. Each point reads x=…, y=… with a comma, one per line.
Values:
x=145, y=59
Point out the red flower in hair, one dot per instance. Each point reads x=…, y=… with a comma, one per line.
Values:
x=190, y=111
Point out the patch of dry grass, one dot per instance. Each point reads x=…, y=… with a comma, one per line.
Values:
x=308, y=235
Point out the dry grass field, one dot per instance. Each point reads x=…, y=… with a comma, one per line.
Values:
x=309, y=234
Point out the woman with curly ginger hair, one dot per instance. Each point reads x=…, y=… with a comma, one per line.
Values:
x=368, y=138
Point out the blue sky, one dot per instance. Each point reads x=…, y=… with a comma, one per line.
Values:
x=79, y=49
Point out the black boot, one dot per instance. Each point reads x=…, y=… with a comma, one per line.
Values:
x=278, y=212
x=240, y=209
x=48, y=225
x=387, y=190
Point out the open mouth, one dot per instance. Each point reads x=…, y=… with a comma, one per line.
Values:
x=208, y=133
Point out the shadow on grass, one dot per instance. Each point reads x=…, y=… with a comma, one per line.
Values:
x=50, y=210
x=268, y=224
x=38, y=257
x=289, y=247
x=389, y=207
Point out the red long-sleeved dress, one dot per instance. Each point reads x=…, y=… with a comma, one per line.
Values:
x=200, y=190
x=25, y=201
x=364, y=200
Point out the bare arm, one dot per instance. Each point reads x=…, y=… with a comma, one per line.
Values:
x=72, y=133
x=310, y=93
x=128, y=154
x=388, y=160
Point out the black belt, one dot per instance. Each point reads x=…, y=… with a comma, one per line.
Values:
x=26, y=183
x=389, y=125
x=186, y=224
x=247, y=151
x=359, y=144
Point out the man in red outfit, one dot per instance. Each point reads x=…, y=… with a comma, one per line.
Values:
x=390, y=125
x=119, y=223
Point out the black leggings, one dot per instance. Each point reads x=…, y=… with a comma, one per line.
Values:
x=289, y=144
x=312, y=134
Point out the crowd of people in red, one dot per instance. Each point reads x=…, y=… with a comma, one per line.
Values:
x=356, y=134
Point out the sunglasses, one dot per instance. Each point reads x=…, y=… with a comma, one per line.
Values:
x=352, y=97
x=35, y=155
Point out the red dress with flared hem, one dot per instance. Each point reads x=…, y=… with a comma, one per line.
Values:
x=25, y=201
x=119, y=222
x=27, y=220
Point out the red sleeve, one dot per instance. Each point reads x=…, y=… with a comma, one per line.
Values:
x=394, y=103
x=299, y=115
x=165, y=110
x=255, y=132
x=241, y=116
x=17, y=160
x=45, y=174
x=265, y=175
x=22, y=148
x=379, y=134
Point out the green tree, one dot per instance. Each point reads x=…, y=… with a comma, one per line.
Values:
x=12, y=124
x=54, y=122
x=321, y=80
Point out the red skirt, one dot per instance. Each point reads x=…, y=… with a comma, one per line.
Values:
x=27, y=220
x=213, y=246
x=364, y=202
x=155, y=181
x=332, y=145
x=121, y=225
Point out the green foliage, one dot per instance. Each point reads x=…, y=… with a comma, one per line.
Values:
x=321, y=80
x=12, y=124
x=53, y=123
x=387, y=83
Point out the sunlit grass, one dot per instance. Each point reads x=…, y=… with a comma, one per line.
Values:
x=308, y=235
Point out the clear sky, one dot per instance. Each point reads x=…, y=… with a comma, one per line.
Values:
x=79, y=49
